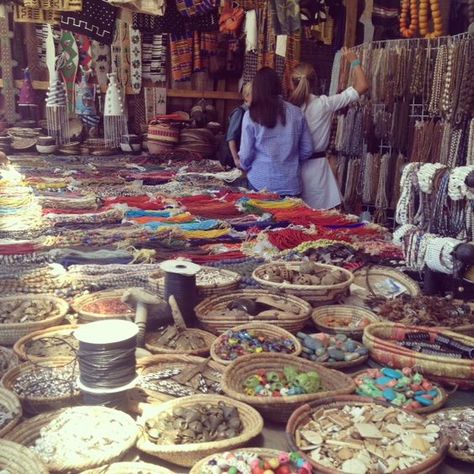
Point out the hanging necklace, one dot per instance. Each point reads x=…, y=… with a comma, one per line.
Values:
x=436, y=17
x=410, y=30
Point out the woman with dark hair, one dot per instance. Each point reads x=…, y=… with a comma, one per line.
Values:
x=275, y=138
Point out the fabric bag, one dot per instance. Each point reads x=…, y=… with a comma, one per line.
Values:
x=231, y=17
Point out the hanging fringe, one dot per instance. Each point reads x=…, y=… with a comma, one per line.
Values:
x=58, y=123
x=115, y=127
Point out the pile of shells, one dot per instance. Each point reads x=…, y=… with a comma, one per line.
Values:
x=6, y=415
x=23, y=311
x=65, y=345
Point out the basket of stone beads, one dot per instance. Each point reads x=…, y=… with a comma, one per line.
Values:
x=57, y=341
x=129, y=468
x=405, y=388
x=220, y=313
x=44, y=385
x=8, y=360
x=316, y=283
x=276, y=384
x=23, y=314
x=253, y=338
x=77, y=438
x=333, y=351
x=185, y=430
x=357, y=435
x=253, y=461
x=458, y=425
x=10, y=411
x=16, y=459
x=343, y=319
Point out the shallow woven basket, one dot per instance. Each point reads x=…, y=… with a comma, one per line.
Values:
x=292, y=322
x=129, y=468
x=302, y=415
x=380, y=339
x=356, y=314
x=11, y=332
x=21, y=350
x=88, y=316
x=28, y=432
x=8, y=360
x=202, y=351
x=314, y=294
x=10, y=401
x=34, y=405
x=16, y=459
x=189, y=454
x=279, y=409
x=259, y=329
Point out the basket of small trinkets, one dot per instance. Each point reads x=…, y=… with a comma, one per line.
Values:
x=276, y=384
x=186, y=430
x=44, y=385
x=23, y=314
x=10, y=411
x=16, y=459
x=316, y=283
x=129, y=468
x=77, y=438
x=348, y=434
x=8, y=360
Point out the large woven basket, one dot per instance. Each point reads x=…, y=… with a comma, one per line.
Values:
x=292, y=322
x=314, y=294
x=11, y=332
x=10, y=402
x=16, y=459
x=359, y=318
x=129, y=468
x=8, y=360
x=21, y=346
x=303, y=414
x=280, y=408
x=201, y=351
x=258, y=329
x=34, y=405
x=163, y=132
x=189, y=454
x=28, y=432
x=380, y=339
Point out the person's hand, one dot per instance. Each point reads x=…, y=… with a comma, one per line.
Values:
x=237, y=162
x=349, y=54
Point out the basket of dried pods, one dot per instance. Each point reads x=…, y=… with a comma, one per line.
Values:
x=129, y=468
x=345, y=434
x=8, y=360
x=220, y=313
x=16, y=459
x=57, y=341
x=316, y=283
x=23, y=314
x=44, y=385
x=249, y=338
x=185, y=430
x=316, y=380
x=77, y=438
x=343, y=319
x=10, y=411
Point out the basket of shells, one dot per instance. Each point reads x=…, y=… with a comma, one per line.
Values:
x=343, y=319
x=10, y=411
x=277, y=384
x=220, y=313
x=23, y=314
x=185, y=430
x=314, y=282
x=349, y=434
x=253, y=338
x=44, y=385
x=77, y=438
x=129, y=468
x=16, y=459
x=8, y=360
x=57, y=341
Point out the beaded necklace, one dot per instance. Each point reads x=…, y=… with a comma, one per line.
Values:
x=437, y=85
x=447, y=92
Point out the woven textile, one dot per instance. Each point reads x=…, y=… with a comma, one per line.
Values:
x=181, y=48
x=266, y=35
x=285, y=16
x=195, y=7
x=205, y=47
x=154, y=57
x=250, y=66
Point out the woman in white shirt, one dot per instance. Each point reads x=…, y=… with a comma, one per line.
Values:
x=320, y=188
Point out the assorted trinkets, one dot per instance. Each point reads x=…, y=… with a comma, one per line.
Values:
x=64, y=345
x=111, y=305
x=177, y=339
x=25, y=311
x=6, y=415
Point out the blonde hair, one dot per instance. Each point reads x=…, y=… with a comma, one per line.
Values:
x=246, y=90
x=304, y=81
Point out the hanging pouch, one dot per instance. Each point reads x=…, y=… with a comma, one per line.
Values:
x=231, y=17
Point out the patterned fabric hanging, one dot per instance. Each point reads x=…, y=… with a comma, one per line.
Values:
x=181, y=48
x=100, y=61
x=135, y=59
x=68, y=65
x=266, y=36
x=23, y=14
x=195, y=7
x=58, y=5
x=159, y=50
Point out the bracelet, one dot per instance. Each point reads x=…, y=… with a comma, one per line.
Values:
x=355, y=63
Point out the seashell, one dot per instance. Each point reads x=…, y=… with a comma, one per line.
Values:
x=312, y=437
x=353, y=466
x=308, y=267
x=273, y=278
x=286, y=274
x=244, y=304
x=302, y=280
x=196, y=426
x=192, y=415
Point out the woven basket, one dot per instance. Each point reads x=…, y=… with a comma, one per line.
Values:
x=314, y=294
x=11, y=332
x=20, y=347
x=380, y=339
x=302, y=415
x=34, y=405
x=259, y=329
x=163, y=132
x=202, y=351
x=129, y=468
x=16, y=459
x=292, y=322
x=8, y=360
x=28, y=432
x=189, y=454
x=279, y=409
x=10, y=402
x=359, y=318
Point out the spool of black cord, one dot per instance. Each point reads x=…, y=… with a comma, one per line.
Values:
x=180, y=282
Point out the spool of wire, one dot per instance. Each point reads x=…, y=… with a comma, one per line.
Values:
x=180, y=282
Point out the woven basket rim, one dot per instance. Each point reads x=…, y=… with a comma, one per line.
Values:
x=21, y=454
x=13, y=359
x=10, y=401
x=79, y=302
x=125, y=467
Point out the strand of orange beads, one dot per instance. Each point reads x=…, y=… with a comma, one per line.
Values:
x=412, y=7
x=434, y=7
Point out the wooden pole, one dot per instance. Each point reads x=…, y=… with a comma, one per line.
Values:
x=351, y=23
